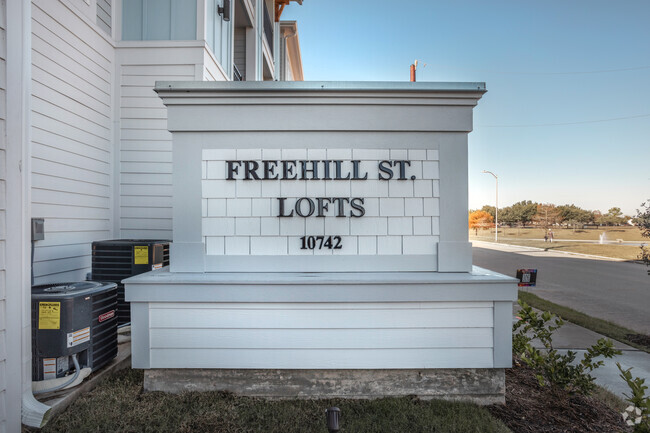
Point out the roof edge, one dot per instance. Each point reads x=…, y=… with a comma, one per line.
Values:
x=312, y=86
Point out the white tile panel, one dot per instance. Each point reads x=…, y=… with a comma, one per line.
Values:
x=218, y=226
x=315, y=226
x=401, y=154
x=247, y=226
x=338, y=188
x=216, y=207
x=249, y=154
x=369, y=226
x=371, y=205
x=293, y=188
x=238, y=207
x=271, y=188
x=423, y=188
x=237, y=245
x=292, y=226
x=369, y=188
x=417, y=154
x=248, y=188
x=389, y=245
x=294, y=154
x=218, y=188
x=266, y=246
x=400, y=226
x=422, y=225
x=340, y=154
x=270, y=226
x=430, y=170
x=371, y=154
x=419, y=244
x=215, y=245
x=367, y=245
x=337, y=226
x=261, y=207
x=413, y=207
x=391, y=207
x=272, y=154
x=216, y=170
x=431, y=206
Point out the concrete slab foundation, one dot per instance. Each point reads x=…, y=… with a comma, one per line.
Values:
x=482, y=386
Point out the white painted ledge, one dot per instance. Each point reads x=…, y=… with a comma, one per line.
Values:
x=164, y=286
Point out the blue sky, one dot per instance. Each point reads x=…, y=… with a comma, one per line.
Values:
x=548, y=66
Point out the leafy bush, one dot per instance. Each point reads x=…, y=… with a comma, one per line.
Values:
x=552, y=367
x=638, y=413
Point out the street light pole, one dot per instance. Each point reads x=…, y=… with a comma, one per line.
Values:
x=496, y=208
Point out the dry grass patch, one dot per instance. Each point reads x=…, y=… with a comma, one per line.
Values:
x=119, y=405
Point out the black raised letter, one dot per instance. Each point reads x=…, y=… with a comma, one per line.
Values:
x=355, y=206
x=281, y=212
x=355, y=171
x=232, y=169
x=299, y=207
x=250, y=168
x=384, y=167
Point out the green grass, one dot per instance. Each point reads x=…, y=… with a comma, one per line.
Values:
x=119, y=405
x=608, y=329
x=626, y=233
x=564, y=240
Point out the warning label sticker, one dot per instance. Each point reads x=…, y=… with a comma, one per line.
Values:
x=156, y=266
x=78, y=337
x=49, y=315
x=49, y=368
x=141, y=255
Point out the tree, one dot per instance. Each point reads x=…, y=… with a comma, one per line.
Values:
x=524, y=211
x=547, y=215
x=613, y=217
x=642, y=221
x=489, y=209
x=574, y=215
x=480, y=220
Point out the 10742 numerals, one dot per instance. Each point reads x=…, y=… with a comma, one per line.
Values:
x=320, y=242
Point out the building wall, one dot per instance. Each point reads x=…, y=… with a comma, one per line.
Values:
x=240, y=217
x=72, y=137
x=3, y=145
x=145, y=157
x=321, y=335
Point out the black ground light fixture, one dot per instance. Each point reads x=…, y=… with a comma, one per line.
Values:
x=333, y=415
x=224, y=10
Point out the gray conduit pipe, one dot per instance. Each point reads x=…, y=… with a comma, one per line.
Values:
x=74, y=377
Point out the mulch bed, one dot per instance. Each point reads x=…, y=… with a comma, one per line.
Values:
x=640, y=339
x=531, y=408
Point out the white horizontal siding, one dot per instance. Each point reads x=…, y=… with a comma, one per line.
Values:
x=72, y=139
x=3, y=176
x=145, y=144
x=400, y=338
x=322, y=335
x=322, y=359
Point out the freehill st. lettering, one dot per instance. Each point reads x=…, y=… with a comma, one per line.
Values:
x=332, y=170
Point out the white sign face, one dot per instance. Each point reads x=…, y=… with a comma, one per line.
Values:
x=320, y=201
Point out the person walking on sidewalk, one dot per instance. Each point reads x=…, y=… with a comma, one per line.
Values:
x=550, y=235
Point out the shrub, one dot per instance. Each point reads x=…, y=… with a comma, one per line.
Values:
x=638, y=413
x=550, y=366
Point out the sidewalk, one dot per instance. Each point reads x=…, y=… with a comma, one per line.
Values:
x=578, y=339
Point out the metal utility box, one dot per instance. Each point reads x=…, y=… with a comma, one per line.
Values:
x=72, y=318
x=117, y=259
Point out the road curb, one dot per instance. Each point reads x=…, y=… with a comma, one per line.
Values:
x=613, y=259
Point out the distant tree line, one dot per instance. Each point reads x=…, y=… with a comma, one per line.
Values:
x=545, y=215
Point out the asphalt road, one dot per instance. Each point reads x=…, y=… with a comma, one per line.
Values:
x=611, y=290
